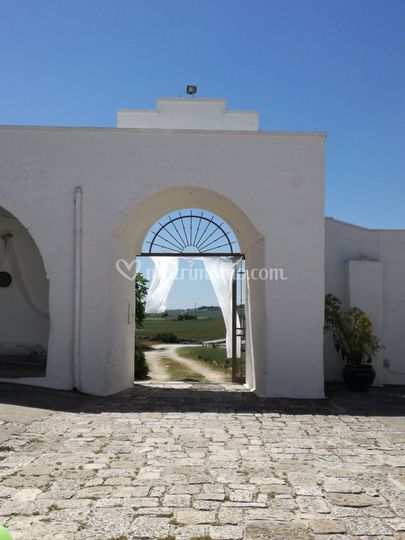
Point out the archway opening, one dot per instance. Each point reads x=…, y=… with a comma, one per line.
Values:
x=128, y=244
x=195, y=307
x=24, y=301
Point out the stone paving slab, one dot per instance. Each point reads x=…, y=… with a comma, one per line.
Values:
x=192, y=461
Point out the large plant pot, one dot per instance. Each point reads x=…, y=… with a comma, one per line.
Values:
x=359, y=379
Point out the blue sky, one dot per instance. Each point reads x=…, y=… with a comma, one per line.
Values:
x=330, y=65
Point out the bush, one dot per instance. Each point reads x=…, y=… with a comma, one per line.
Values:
x=166, y=337
x=186, y=317
x=141, y=368
x=352, y=333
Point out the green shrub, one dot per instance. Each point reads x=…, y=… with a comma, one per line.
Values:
x=186, y=317
x=352, y=333
x=141, y=368
x=165, y=337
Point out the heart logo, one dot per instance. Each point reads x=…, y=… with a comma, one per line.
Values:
x=126, y=269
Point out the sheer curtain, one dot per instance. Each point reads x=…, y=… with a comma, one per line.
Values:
x=163, y=278
x=221, y=271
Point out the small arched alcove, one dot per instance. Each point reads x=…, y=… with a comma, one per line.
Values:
x=24, y=301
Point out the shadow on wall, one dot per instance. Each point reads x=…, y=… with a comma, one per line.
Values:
x=24, y=300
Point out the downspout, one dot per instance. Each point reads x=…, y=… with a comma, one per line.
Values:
x=78, y=236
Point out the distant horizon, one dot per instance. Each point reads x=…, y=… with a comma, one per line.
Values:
x=184, y=309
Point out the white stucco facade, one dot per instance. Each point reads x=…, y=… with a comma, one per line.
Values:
x=366, y=268
x=187, y=153
x=267, y=186
x=172, y=113
x=193, y=153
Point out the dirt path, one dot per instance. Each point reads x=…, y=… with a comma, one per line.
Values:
x=157, y=371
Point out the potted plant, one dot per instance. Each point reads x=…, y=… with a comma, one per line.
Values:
x=353, y=338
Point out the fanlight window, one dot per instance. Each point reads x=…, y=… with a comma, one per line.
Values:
x=191, y=231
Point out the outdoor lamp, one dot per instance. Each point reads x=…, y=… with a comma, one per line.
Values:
x=191, y=89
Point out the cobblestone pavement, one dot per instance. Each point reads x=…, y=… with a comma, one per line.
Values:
x=201, y=461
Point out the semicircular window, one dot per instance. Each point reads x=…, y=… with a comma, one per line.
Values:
x=191, y=231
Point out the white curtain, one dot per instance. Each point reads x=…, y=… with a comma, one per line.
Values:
x=162, y=281
x=221, y=271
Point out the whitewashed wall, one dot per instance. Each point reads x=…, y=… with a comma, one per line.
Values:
x=175, y=113
x=268, y=183
x=366, y=268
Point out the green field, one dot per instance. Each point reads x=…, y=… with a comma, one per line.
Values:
x=201, y=329
x=216, y=357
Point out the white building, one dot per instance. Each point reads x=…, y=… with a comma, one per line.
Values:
x=75, y=200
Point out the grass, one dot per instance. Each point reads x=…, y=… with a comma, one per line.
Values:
x=201, y=329
x=6, y=449
x=216, y=356
x=178, y=372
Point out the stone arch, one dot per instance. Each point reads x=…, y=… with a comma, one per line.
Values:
x=128, y=239
x=143, y=215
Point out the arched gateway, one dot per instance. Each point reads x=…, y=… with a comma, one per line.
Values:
x=137, y=235
x=92, y=195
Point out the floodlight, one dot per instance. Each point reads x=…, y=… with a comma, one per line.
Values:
x=191, y=89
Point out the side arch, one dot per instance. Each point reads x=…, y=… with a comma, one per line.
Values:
x=24, y=314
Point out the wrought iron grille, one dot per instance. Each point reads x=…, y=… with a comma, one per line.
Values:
x=191, y=232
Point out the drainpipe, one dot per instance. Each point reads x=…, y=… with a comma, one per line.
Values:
x=78, y=236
